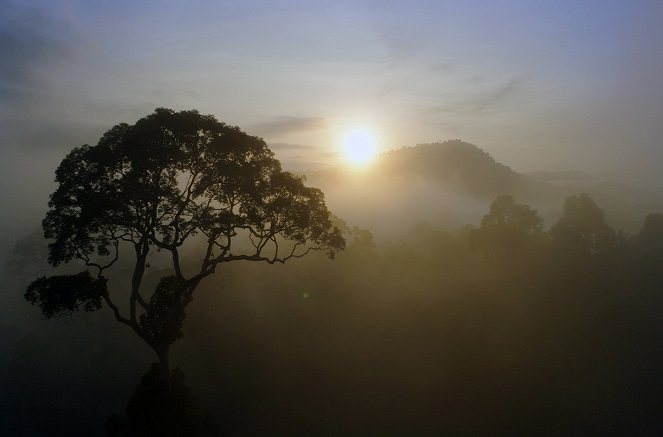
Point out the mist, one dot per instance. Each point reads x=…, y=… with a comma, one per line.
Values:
x=501, y=267
x=478, y=331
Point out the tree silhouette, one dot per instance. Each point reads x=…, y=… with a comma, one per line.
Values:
x=508, y=226
x=646, y=249
x=159, y=410
x=169, y=179
x=582, y=230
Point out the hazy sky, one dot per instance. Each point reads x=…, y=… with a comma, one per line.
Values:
x=538, y=84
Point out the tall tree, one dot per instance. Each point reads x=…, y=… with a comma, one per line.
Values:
x=582, y=230
x=171, y=178
x=507, y=227
x=646, y=250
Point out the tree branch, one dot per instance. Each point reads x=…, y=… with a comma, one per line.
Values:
x=112, y=306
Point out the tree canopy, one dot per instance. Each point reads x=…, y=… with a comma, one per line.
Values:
x=167, y=179
x=582, y=228
x=507, y=226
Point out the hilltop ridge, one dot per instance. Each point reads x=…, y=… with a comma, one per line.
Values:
x=453, y=165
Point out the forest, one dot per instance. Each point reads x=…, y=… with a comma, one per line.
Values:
x=498, y=327
x=343, y=218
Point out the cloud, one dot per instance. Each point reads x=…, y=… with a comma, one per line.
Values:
x=304, y=165
x=502, y=92
x=30, y=42
x=490, y=100
x=289, y=147
x=36, y=44
x=299, y=157
x=289, y=124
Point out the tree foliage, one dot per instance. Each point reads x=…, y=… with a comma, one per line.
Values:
x=582, y=228
x=507, y=226
x=65, y=294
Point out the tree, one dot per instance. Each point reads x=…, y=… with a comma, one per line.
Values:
x=646, y=250
x=169, y=179
x=163, y=411
x=508, y=226
x=652, y=233
x=582, y=229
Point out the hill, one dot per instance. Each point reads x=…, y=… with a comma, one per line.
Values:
x=457, y=165
x=452, y=183
x=453, y=165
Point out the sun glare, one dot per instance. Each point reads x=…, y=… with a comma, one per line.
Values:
x=359, y=147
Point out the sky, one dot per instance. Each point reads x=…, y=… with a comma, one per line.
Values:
x=539, y=85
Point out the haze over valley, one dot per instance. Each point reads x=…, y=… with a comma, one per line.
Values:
x=336, y=218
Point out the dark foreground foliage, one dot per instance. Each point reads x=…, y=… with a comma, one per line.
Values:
x=157, y=409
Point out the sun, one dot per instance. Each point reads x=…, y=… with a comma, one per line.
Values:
x=359, y=147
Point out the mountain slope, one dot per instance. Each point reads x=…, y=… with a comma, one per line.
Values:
x=455, y=166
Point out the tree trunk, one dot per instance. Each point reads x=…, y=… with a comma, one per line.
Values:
x=164, y=363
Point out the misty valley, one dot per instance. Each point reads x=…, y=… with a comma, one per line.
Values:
x=331, y=218
x=467, y=299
